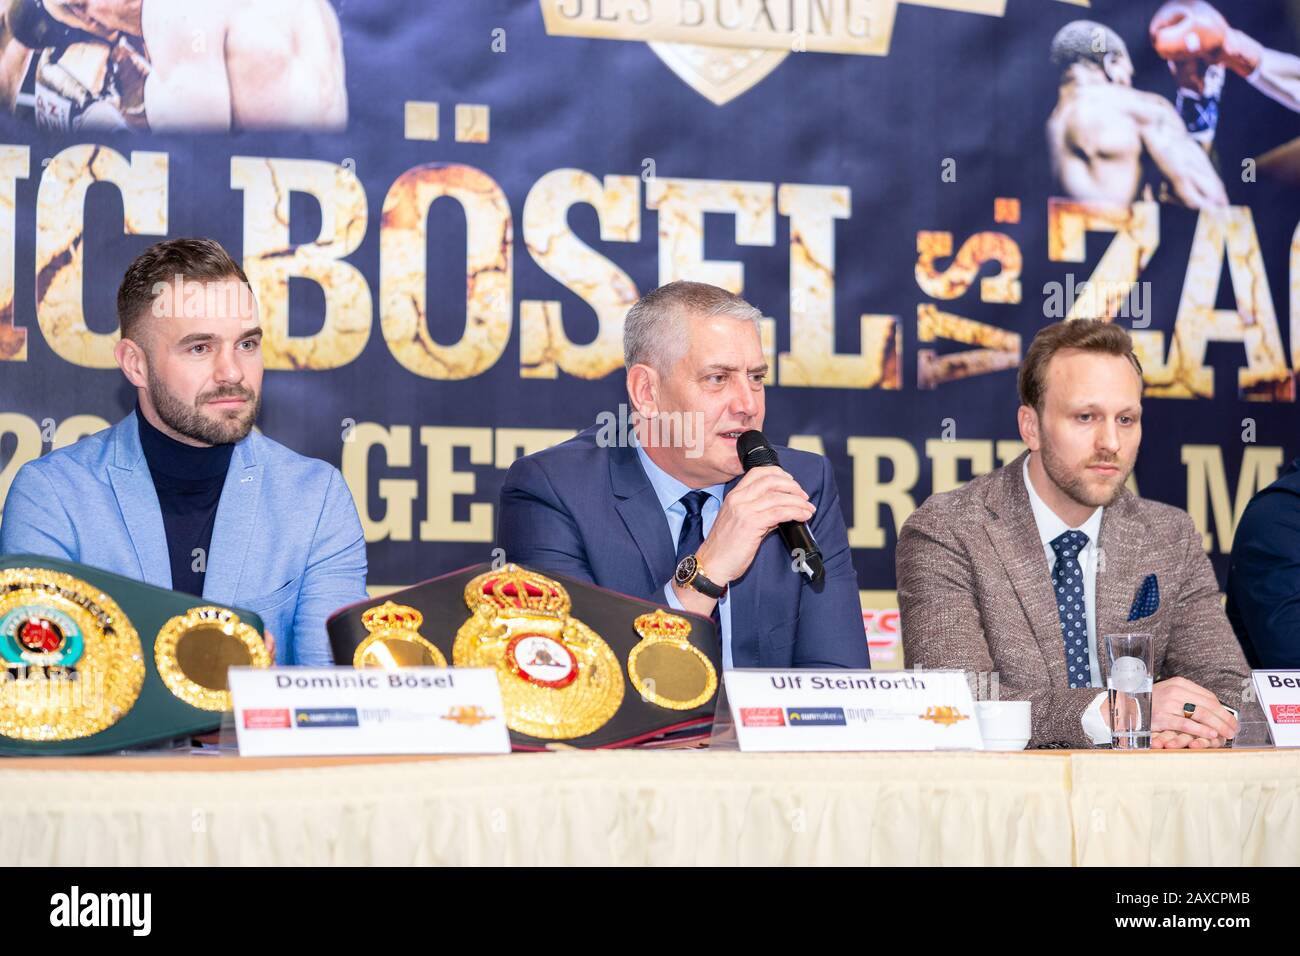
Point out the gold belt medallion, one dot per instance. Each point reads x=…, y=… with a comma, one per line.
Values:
x=194, y=652
x=394, y=640
x=666, y=668
x=73, y=661
x=558, y=679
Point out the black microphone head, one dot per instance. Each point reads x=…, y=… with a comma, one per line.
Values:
x=754, y=450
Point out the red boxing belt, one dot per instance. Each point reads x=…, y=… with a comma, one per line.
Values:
x=577, y=664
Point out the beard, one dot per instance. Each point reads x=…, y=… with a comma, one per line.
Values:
x=1074, y=483
x=226, y=428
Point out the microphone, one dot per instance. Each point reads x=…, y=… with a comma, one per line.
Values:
x=755, y=452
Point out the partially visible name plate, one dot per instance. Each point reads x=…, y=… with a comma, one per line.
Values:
x=776, y=710
x=1279, y=696
x=309, y=711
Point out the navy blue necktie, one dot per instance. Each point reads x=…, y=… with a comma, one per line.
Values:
x=692, y=536
x=692, y=533
x=1067, y=581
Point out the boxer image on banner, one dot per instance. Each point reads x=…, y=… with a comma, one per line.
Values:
x=1109, y=142
x=166, y=64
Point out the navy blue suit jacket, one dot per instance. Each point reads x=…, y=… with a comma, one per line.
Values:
x=1264, y=575
x=590, y=512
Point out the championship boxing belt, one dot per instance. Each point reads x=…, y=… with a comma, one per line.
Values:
x=94, y=662
x=577, y=664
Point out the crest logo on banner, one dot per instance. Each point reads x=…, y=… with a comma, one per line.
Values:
x=721, y=48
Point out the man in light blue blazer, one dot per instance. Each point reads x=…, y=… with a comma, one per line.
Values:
x=182, y=493
x=666, y=513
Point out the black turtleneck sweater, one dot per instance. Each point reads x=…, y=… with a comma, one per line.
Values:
x=189, y=482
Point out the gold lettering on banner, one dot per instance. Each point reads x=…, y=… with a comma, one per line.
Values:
x=1137, y=236
x=398, y=494
x=445, y=483
x=271, y=261
x=999, y=350
x=812, y=360
x=14, y=165
x=681, y=204
x=28, y=447
x=512, y=443
x=441, y=481
x=544, y=346
x=60, y=239
x=956, y=280
x=1253, y=323
x=812, y=444
x=945, y=455
x=871, y=491
x=76, y=427
x=1207, y=488
x=403, y=244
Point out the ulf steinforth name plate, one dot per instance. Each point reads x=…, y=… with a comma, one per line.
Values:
x=806, y=710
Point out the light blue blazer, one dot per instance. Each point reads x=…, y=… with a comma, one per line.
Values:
x=287, y=542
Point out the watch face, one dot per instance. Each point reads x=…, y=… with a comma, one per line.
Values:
x=685, y=570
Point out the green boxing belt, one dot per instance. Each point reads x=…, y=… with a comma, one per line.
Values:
x=95, y=662
x=577, y=664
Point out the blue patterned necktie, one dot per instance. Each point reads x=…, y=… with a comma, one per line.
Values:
x=692, y=536
x=1067, y=581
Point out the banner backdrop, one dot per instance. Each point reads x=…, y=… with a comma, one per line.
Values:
x=445, y=209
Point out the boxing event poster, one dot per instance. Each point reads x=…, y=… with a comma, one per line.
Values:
x=445, y=210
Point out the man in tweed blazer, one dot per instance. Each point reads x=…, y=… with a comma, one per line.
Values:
x=991, y=575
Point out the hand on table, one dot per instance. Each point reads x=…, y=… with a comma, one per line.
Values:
x=1173, y=740
x=1209, y=720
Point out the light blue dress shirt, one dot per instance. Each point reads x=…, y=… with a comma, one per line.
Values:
x=669, y=491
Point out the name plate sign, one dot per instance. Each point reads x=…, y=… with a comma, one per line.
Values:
x=1279, y=696
x=794, y=710
x=310, y=711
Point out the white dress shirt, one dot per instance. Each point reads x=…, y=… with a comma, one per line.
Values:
x=1050, y=527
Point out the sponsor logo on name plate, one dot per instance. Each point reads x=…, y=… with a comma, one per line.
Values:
x=326, y=717
x=762, y=717
x=267, y=718
x=468, y=715
x=943, y=716
x=815, y=716
x=1285, y=713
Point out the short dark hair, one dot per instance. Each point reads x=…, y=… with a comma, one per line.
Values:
x=1088, y=335
x=202, y=260
x=1077, y=42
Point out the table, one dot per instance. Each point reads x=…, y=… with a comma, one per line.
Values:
x=640, y=807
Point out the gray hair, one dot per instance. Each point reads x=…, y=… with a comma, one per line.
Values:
x=1085, y=41
x=655, y=330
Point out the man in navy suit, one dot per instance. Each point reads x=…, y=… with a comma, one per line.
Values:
x=667, y=513
x=1264, y=575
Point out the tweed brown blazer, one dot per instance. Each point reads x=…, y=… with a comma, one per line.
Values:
x=975, y=593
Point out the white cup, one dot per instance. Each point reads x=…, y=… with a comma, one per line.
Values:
x=1004, y=724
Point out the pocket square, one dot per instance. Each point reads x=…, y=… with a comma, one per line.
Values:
x=1147, y=600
